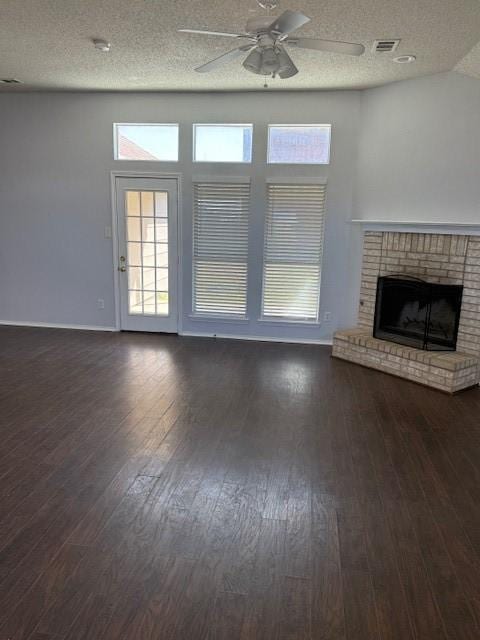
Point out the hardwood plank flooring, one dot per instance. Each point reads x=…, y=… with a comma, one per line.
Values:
x=155, y=486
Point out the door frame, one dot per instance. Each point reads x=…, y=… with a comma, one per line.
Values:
x=116, y=279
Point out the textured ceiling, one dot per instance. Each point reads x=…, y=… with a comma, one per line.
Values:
x=470, y=64
x=47, y=43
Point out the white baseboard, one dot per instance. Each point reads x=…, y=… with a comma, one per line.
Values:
x=198, y=334
x=51, y=325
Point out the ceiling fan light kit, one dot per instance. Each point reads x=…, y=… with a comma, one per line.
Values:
x=253, y=62
x=287, y=68
x=267, y=38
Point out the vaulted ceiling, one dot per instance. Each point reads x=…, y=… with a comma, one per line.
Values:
x=47, y=43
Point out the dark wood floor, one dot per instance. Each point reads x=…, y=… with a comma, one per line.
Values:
x=156, y=487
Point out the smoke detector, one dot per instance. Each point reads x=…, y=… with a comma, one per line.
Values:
x=406, y=59
x=387, y=45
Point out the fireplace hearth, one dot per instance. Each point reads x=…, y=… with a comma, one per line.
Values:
x=416, y=313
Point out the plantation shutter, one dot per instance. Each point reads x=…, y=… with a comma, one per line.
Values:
x=220, y=247
x=294, y=226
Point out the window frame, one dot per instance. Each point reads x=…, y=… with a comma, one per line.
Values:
x=144, y=124
x=300, y=126
x=221, y=124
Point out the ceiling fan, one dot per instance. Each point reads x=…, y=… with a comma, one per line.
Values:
x=265, y=39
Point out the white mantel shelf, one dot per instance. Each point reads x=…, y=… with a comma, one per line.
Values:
x=406, y=226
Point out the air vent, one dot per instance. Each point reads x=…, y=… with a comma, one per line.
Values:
x=385, y=46
x=10, y=81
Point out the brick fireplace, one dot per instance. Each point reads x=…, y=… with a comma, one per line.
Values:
x=439, y=258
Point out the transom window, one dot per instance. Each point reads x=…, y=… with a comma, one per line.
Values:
x=222, y=142
x=299, y=143
x=147, y=142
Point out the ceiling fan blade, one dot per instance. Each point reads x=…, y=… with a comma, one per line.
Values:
x=225, y=57
x=288, y=22
x=348, y=48
x=214, y=33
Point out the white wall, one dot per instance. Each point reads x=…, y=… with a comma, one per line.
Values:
x=55, y=163
x=419, y=151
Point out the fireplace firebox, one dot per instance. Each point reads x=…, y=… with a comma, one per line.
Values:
x=416, y=313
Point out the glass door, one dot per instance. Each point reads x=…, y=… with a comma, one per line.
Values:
x=147, y=223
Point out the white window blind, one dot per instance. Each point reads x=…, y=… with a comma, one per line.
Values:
x=294, y=227
x=220, y=248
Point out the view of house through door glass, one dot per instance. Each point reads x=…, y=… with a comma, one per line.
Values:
x=147, y=236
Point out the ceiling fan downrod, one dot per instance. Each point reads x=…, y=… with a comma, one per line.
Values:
x=269, y=5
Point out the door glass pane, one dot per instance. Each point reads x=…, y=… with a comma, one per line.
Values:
x=149, y=308
x=135, y=278
x=147, y=203
x=135, y=302
x=133, y=229
x=148, y=230
x=161, y=204
x=161, y=229
x=148, y=279
x=162, y=279
x=134, y=254
x=147, y=252
x=162, y=254
x=133, y=203
x=162, y=303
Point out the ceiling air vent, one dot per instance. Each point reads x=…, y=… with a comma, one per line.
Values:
x=10, y=81
x=385, y=46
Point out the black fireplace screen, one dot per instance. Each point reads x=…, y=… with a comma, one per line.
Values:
x=417, y=313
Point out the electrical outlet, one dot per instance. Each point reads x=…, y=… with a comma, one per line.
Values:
x=100, y=303
x=327, y=316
